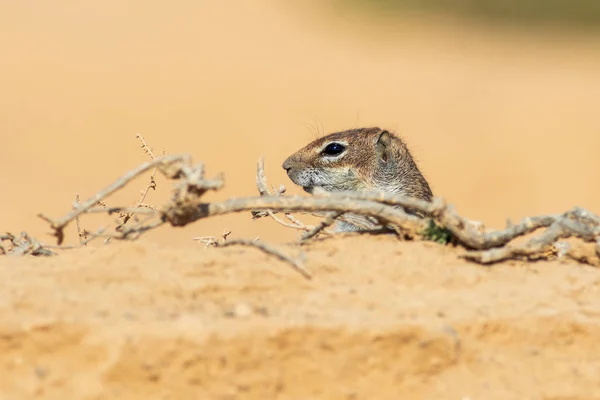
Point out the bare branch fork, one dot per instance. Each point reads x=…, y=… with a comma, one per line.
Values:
x=393, y=212
x=172, y=166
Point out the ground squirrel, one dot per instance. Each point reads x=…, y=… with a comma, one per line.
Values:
x=365, y=159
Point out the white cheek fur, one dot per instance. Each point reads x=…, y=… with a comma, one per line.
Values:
x=328, y=159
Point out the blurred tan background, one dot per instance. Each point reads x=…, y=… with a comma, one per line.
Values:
x=504, y=120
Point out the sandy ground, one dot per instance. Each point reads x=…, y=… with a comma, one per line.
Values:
x=504, y=125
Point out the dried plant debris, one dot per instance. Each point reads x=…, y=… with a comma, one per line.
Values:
x=576, y=223
x=24, y=244
x=270, y=250
x=436, y=220
x=213, y=241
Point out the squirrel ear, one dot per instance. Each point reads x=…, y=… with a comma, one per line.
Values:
x=383, y=144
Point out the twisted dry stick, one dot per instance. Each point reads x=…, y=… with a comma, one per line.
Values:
x=390, y=210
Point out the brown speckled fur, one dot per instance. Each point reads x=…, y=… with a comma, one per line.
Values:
x=374, y=160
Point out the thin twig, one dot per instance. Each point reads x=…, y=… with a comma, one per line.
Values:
x=145, y=146
x=294, y=220
x=80, y=234
x=212, y=240
x=263, y=190
x=293, y=225
x=151, y=185
x=268, y=249
x=131, y=233
x=325, y=223
x=121, y=210
x=261, y=179
x=59, y=225
x=90, y=236
x=135, y=231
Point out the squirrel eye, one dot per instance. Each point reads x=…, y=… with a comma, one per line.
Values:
x=333, y=149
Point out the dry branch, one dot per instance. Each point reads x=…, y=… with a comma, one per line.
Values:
x=407, y=216
x=577, y=223
x=469, y=233
x=173, y=166
x=24, y=244
x=81, y=234
x=295, y=224
x=183, y=214
x=263, y=190
x=325, y=223
x=213, y=240
x=150, y=185
x=59, y=225
x=268, y=249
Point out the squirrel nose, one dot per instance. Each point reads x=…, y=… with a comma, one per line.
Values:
x=287, y=165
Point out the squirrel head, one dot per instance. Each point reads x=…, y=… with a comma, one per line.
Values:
x=365, y=159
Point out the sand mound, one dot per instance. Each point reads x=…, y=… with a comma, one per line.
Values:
x=394, y=319
x=502, y=124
